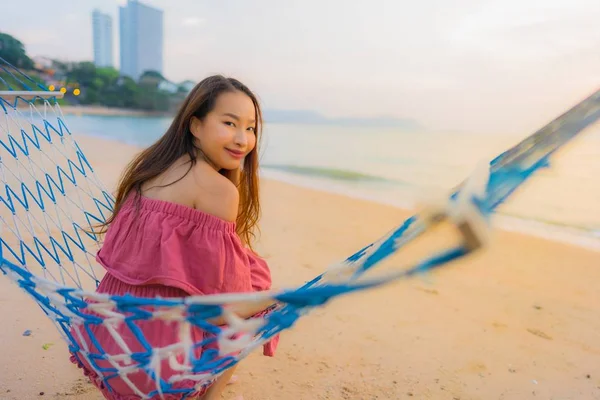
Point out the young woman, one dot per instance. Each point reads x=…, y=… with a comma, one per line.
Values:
x=183, y=223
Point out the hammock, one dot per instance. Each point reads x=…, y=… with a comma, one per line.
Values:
x=50, y=196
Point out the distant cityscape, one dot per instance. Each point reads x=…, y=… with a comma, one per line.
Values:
x=140, y=39
x=138, y=85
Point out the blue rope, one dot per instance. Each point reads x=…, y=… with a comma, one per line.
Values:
x=3, y=66
x=507, y=173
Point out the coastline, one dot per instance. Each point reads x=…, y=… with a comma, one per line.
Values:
x=404, y=201
x=506, y=223
x=404, y=195
x=110, y=112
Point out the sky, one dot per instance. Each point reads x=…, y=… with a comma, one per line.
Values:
x=469, y=65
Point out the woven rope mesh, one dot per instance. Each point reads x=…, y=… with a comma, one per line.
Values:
x=50, y=198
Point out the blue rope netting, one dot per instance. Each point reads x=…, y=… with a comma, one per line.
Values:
x=50, y=195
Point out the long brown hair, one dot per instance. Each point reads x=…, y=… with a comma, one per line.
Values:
x=178, y=141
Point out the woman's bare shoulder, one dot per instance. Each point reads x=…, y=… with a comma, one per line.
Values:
x=198, y=186
x=214, y=193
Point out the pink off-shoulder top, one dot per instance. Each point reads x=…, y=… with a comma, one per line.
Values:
x=174, y=245
x=159, y=248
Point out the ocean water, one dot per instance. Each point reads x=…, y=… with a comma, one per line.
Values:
x=401, y=168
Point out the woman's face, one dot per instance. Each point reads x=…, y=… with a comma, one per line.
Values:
x=227, y=133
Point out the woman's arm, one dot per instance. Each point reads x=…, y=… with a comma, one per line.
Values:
x=245, y=310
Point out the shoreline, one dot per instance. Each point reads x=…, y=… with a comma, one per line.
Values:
x=110, y=111
x=589, y=240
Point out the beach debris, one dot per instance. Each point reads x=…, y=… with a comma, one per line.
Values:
x=41, y=393
x=534, y=382
x=46, y=346
x=426, y=290
x=539, y=333
x=27, y=333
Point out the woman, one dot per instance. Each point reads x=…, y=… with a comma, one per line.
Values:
x=183, y=222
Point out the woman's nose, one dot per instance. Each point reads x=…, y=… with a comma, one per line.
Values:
x=240, y=138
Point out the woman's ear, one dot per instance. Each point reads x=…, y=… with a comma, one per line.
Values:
x=195, y=127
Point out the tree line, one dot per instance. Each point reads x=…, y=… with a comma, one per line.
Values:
x=102, y=86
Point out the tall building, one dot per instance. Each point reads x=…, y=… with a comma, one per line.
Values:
x=141, y=39
x=103, y=39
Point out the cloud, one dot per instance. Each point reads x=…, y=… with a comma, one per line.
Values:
x=528, y=32
x=69, y=17
x=193, y=21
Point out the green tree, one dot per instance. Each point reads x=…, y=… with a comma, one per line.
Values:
x=13, y=51
x=151, y=79
x=107, y=74
x=129, y=92
x=83, y=74
x=153, y=75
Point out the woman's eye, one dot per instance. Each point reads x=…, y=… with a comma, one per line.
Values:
x=229, y=123
x=251, y=129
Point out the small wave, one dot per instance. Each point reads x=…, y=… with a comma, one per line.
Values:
x=552, y=223
x=564, y=233
x=331, y=173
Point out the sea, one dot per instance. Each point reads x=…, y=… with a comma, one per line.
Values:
x=405, y=168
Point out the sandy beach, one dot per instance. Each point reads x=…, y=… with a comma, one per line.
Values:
x=516, y=321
